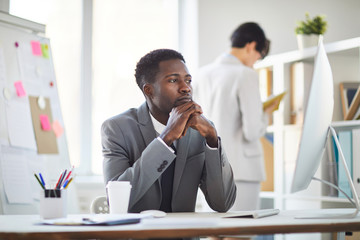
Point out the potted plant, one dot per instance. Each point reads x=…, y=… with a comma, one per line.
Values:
x=308, y=31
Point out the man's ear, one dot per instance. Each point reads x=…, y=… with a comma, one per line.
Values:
x=148, y=90
x=251, y=46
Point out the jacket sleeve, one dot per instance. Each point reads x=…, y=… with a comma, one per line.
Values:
x=253, y=118
x=118, y=164
x=217, y=182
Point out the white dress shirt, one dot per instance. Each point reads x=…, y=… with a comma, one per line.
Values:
x=159, y=128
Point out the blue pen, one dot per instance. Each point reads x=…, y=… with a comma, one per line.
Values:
x=42, y=180
x=65, y=184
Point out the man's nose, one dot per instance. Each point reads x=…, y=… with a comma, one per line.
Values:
x=184, y=87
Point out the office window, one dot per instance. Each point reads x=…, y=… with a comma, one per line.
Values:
x=63, y=27
x=124, y=31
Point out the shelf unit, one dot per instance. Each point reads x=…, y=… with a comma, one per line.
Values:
x=344, y=58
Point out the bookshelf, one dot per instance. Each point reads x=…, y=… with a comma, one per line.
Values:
x=344, y=58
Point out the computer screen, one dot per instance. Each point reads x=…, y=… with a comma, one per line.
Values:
x=317, y=119
x=315, y=130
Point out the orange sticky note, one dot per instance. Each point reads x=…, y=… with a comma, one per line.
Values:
x=36, y=48
x=45, y=123
x=20, y=91
x=58, y=129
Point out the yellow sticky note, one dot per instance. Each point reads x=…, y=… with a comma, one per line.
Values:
x=45, y=50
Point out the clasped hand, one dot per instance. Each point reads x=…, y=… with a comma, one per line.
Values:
x=188, y=115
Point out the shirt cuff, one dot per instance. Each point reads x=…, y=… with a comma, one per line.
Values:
x=211, y=148
x=162, y=141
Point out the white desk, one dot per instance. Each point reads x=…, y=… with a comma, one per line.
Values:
x=190, y=224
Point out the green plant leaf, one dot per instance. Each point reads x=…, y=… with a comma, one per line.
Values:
x=316, y=25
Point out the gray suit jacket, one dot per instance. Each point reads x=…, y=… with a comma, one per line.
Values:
x=133, y=153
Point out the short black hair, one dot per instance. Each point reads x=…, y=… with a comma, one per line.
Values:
x=148, y=65
x=249, y=32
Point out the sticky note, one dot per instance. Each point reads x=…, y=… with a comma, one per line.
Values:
x=58, y=129
x=36, y=48
x=20, y=91
x=45, y=50
x=45, y=123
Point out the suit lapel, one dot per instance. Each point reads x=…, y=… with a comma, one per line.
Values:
x=148, y=133
x=182, y=149
x=146, y=126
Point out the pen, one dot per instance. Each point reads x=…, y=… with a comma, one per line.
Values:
x=67, y=177
x=42, y=179
x=67, y=184
x=61, y=179
x=39, y=181
x=57, y=184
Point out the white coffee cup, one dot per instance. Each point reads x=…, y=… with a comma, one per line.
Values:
x=119, y=196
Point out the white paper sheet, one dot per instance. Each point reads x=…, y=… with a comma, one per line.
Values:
x=4, y=140
x=2, y=66
x=96, y=219
x=16, y=178
x=20, y=127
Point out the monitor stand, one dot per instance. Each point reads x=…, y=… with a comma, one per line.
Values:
x=354, y=201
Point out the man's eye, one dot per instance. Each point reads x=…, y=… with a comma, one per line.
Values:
x=188, y=80
x=172, y=80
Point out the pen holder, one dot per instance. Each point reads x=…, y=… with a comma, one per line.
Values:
x=53, y=203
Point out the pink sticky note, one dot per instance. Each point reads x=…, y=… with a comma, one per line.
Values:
x=36, y=48
x=58, y=129
x=45, y=123
x=20, y=91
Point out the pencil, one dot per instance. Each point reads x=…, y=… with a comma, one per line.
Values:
x=39, y=181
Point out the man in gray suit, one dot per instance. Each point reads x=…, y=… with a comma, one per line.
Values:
x=166, y=148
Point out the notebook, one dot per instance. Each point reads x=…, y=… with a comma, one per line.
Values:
x=252, y=214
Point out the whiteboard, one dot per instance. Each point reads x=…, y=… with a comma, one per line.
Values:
x=28, y=144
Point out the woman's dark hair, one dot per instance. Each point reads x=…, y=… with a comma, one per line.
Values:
x=148, y=65
x=249, y=32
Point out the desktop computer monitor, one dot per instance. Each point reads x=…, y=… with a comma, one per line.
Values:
x=317, y=124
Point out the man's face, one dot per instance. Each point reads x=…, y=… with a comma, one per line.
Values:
x=172, y=86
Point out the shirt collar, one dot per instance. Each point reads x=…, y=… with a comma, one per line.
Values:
x=159, y=127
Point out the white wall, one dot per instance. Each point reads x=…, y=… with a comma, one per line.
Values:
x=218, y=18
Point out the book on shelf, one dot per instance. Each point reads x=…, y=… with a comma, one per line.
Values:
x=268, y=149
x=330, y=174
x=356, y=158
x=265, y=85
x=300, y=82
x=350, y=144
x=345, y=140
